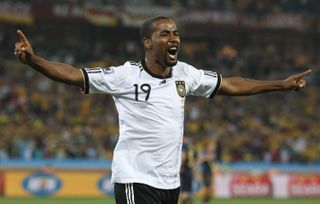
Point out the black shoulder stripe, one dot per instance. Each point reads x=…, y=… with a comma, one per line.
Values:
x=216, y=89
x=86, y=81
x=95, y=70
x=140, y=66
x=134, y=63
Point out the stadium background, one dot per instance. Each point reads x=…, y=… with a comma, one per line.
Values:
x=53, y=132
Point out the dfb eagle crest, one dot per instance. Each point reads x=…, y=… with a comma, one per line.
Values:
x=181, y=88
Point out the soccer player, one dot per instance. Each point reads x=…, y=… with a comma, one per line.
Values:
x=150, y=96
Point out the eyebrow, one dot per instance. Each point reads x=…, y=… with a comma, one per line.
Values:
x=168, y=31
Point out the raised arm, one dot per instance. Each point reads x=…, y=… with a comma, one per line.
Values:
x=54, y=70
x=237, y=86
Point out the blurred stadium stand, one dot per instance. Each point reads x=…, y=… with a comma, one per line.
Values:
x=41, y=119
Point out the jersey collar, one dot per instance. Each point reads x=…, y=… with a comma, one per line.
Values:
x=145, y=67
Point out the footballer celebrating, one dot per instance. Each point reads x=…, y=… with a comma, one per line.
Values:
x=149, y=96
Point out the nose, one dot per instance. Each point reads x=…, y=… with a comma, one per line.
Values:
x=174, y=38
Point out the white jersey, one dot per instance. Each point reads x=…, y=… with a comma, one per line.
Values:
x=151, y=117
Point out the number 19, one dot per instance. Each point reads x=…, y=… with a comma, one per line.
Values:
x=146, y=88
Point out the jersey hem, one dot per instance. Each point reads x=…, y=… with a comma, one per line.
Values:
x=152, y=184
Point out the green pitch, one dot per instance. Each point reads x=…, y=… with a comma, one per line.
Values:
x=111, y=201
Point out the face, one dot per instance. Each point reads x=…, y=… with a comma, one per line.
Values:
x=165, y=42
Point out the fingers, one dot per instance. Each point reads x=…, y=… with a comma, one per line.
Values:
x=22, y=37
x=19, y=48
x=16, y=48
x=301, y=83
x=23, y=46
x=301, y=75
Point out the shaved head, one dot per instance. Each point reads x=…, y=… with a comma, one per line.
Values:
x=147, y=27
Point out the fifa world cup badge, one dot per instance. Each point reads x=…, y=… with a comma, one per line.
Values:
x=108, y=70
x=181, y=88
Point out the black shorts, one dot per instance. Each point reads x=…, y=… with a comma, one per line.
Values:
x=136, y=193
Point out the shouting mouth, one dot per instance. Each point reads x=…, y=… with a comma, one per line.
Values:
x=172, y=52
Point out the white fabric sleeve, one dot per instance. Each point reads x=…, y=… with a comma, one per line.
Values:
x=203, y=82
x=103, y=80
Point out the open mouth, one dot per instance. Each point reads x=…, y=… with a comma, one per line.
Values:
x=172, y=52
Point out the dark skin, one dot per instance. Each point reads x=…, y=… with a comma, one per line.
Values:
x=157, y=58
x=159, y=61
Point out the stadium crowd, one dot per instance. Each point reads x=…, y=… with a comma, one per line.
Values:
x=307, y=7
x=43, y=119
x=40, y=118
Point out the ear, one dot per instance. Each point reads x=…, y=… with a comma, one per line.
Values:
x=147, y=43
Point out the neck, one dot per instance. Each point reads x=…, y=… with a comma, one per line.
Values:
x=157, y=68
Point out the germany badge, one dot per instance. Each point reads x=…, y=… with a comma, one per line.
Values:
x=181, y=88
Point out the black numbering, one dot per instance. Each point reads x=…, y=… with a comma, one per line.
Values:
x=146, y=88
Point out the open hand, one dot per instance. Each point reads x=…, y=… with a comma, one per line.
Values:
x=23, y=48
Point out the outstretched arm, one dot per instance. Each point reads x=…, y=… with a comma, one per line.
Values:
x=57, y=71
x=237, y=86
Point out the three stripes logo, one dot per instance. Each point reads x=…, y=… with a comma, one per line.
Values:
x=129, y=193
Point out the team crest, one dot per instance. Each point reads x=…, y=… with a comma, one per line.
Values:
x=181, y=88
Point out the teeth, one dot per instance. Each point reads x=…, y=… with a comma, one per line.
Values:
x=172, y=52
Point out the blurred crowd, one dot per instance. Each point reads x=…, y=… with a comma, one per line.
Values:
x=306, y=7
x=41, y=119
x=261, y=7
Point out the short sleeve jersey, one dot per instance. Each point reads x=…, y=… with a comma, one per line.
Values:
x=151, y=117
